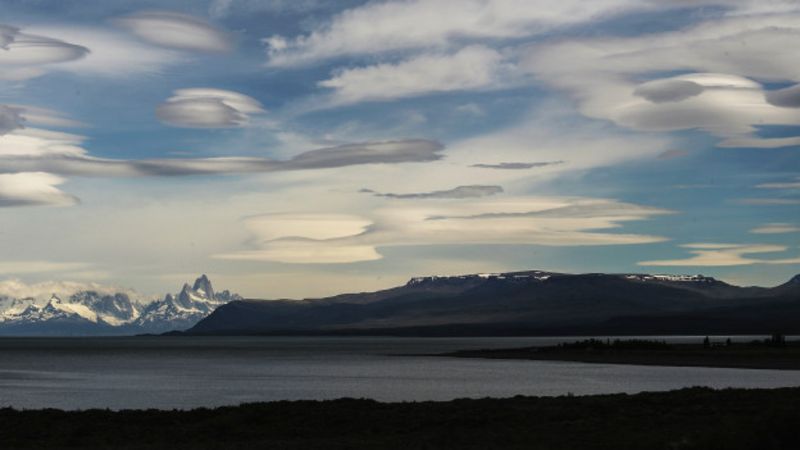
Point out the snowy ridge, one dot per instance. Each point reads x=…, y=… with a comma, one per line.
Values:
x=678, y=278
x=534, y=275
x=538, y=275
x=115, y=311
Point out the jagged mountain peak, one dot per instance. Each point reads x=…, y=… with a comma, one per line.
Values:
x=203, y=284
x=115, y=313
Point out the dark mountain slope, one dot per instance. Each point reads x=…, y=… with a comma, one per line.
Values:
x=532, y=302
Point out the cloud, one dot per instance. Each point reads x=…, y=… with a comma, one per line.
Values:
x=389, y=26
x=403, y=25
x=110, y=53
x=7, y=36
x=60, y=154
x=15, y=288
x=10, y=119
x=662, y=91
x=577, y=209
x=473, y=67
x=310, y=226
x=786, y=185
x=471, y=109
x=246, y=8
x=550, y=135
x=775, y=228
x=208, y=108
x=296, y=251
x=35, y=115
x=15, y=117
x=768, y=201
x=718, y=255
x=22, y=49
x=631, y=81
x=35, y=188
x=178, y=31
x=302, y=238
x=552, y=221
x=471, y=191
x=387, y=152
x=672, y=154
x=517, y=165
x=787, y=98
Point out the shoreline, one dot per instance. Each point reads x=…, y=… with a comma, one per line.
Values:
x=697, y=418
x=754, y=355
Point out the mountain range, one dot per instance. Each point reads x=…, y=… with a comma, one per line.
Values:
x=91, y=312
x=525, y=303
x=503, y=304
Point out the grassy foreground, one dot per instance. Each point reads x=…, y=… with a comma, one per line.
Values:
x=751, y=355
x=696, y=418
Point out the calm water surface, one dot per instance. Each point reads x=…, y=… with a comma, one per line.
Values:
x=183, y=372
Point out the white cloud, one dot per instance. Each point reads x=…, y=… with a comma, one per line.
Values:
x=471, y=109
x=391, y=26
x=15, y=288
x=769, y=201
x=554, y=221
x=380, y=27
x=179, y=31
x=33, y=143
x=775, y=228
x=27, y=267
x=310, y=226
x=34, y=115
x=33, y=188
x=293, y=251
x=208, y=108
x=718, y=255
x=784, y=185
x=23, y=49
x=720, y=94
x=473, y=67
x=110, y=53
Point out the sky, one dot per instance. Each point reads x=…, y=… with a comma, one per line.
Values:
x=307, y=148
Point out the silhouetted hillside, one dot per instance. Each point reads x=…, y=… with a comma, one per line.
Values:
x=525, y=303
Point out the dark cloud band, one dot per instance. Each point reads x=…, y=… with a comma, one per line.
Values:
x=471, y=191
x=517, y=165
x=386, y=152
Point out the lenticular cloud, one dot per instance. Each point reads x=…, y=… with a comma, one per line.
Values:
x=208, y=108
x=179, y=31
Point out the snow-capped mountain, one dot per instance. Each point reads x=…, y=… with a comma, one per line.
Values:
x=94, y=312
x=183, y=309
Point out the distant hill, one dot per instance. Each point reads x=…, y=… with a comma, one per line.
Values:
x=525, y=303
x=91, y=313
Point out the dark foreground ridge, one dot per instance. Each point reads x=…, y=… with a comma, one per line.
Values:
x=695, y=418
x=772, y=353
x=532, y=303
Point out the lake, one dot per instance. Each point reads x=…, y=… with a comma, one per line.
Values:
x=185, y=372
